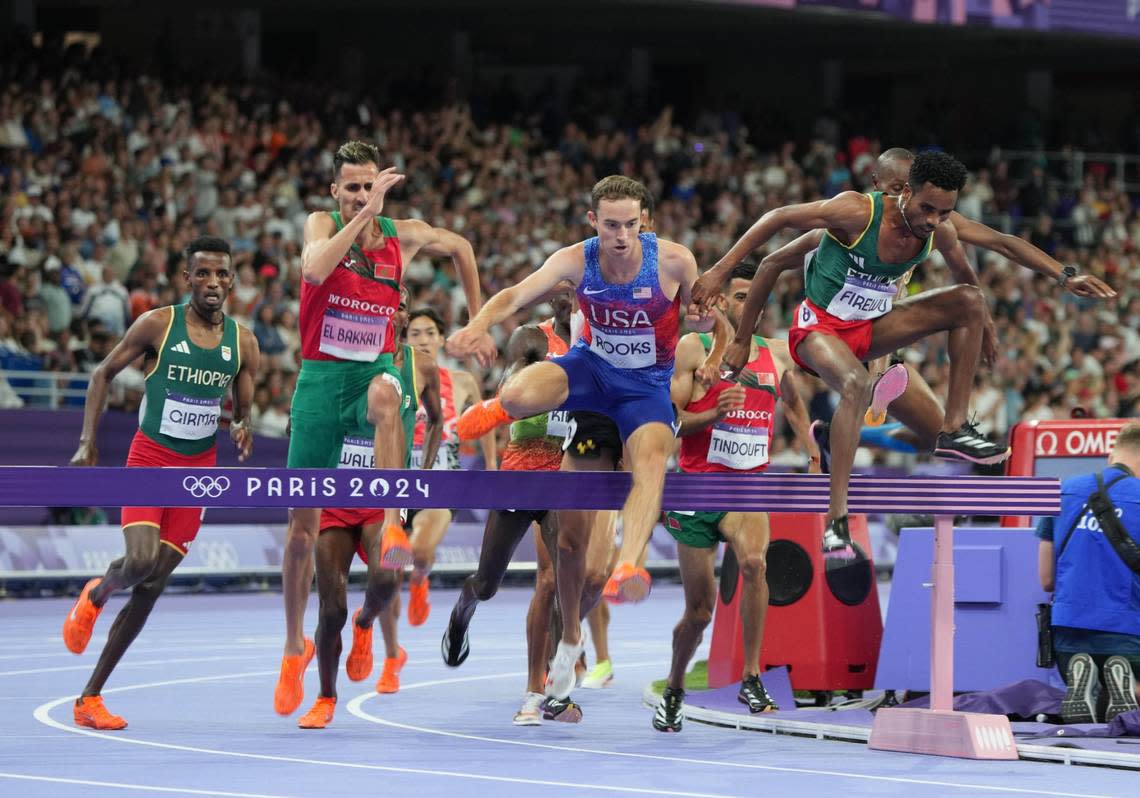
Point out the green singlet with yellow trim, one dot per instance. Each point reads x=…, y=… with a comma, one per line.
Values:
x=185, y=389
x=849, y=281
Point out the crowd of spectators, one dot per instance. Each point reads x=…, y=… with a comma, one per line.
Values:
x=102, y=183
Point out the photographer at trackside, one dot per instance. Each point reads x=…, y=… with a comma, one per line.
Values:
x=1089, y=557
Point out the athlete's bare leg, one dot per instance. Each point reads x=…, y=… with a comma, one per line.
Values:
x=383, y=583
x=833, y=361
x=297, y=573
x=501, y=536
x=600, y=560
x=142, y=548
x=579, y=585
x=648, y=448
x=428, y=529
x=959, y=310
x=388, y=445
x=538, y=388
x=699, y=583
x=920, y=412
x=389, y=625
x=131, y=618
x=748, y=534
x=335, y=550
x=538, y=615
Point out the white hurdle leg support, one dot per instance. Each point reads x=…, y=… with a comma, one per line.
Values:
x=940, y=730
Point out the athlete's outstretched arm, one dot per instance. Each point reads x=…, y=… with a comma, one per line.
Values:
x=325, y=245
x=143, y=336
x=678, y=263
x=709, y=371
x=690, y=356
x=786, y=258
x=427, y=372
x=437, y=242
x=686, y=361
x=565, y=264
x=250, y=354
x=1022, y=252
x=845, y=213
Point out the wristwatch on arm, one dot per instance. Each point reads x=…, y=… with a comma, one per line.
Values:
x=1066, y=273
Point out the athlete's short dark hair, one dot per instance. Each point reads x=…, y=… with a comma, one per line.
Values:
x=207, y=244
x=616, y=187
x=427, y=313
x=939, y=169
x=647, y=203
x=745, y=270
x=354, y=152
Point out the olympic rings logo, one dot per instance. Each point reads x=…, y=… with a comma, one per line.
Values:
x=200, y=487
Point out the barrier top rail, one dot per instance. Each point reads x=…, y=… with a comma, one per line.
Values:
x=41, y=486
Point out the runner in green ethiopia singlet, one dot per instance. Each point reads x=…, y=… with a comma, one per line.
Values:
x=356, y=451
x=849, y=281
x=184, y=390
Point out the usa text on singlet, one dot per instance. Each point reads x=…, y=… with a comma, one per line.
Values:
x=632, y=326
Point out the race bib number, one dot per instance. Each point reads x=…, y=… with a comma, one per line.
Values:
x=805, y=316
x=357, y=453
x=862, y=297
x=625, y=349
x=352, y=336
x=738, y=448
x=190, y=418
x=558, y=423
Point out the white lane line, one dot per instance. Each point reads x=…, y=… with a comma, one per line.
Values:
x=140, y=664
x=354, y=707
x=201, y=644
x=42, y=714
x=144, y=787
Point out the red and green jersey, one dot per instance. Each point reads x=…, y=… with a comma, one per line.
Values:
x=185, y=389
x=739, y=441
x=349, y=315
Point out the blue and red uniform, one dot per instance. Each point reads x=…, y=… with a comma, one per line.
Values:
x=623, y=362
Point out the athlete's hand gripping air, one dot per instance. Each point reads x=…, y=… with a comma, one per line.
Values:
x=384, y=181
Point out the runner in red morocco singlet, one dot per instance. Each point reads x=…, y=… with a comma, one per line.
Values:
x=351, y=268
x=348, y=531
x=194, y=355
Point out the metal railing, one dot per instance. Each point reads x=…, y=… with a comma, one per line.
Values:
x=1125, y=167
x=48, y=389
